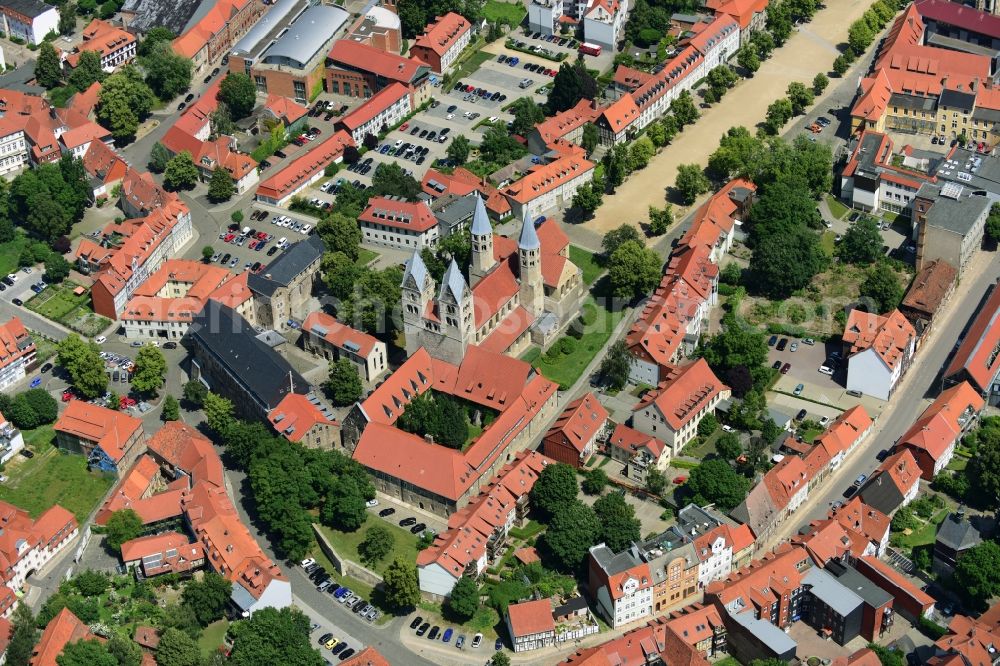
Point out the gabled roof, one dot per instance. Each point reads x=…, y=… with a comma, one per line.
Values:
x=543, y=178
x=61, y=630
x=367, y=657
x=944, y=421
x=374, y=105
x=579, y=422
x=302, y=168
x=296, y=415
x=684, y=393
x=959, y=16
x=397, y=214
x=977, y=355
x=442, y=33
x=107, y=428
x=890, y=336
x=363, y=57
x=531, y=617
x=339, y=335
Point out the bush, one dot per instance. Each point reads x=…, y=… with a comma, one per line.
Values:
x=567, y=345
x=931, y=629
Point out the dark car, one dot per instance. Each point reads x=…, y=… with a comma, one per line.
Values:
x=785, y=368
x=339, y=647
x=46, y=367
x=451, y=109
x=773, y=340
x=215, y=71
x=324, y=638
x=189, y=97
x=854, y=217
x=386, y=512
x=17, y=301
x=498, y=645
x=416, y=622
x=435, y=630
x=27, y=453
x=407, y=521
x=170, y=345
x=346, y=654
x=776, y=365
x=423, y=628
x=419, y=527
x=882, y=455
x=272, y=251
x=801, y=415
x=181, y=106
x=782, y=343
x=416, y=129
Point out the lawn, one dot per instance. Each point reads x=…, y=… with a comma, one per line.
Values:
x=212, y=637
x=565, y=369
x=9, y=253
x=44, y=348
x=365, y=256
x=587, y=261
x=346, y=543
x=52, y=477
x=827, y=242
x=508, y=12
x=61, y=305
x=470, y=65
x=837, y=209
x=922, y=535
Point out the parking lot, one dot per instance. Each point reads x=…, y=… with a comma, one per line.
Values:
x=240, y=255
x=804, y=362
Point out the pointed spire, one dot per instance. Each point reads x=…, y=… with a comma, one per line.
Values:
x=454, y=281
x=417, y=268
x=528, y=239
x=480, y=220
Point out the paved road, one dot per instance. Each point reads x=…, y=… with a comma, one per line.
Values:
x=920, y=383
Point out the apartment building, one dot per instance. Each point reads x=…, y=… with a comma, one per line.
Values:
x=110, y=440
x=530, y=625
x=17, y=352
x=950, y=220
x=977, y=360
x=876, y=178
x=894, y=484
x=11, y=440
x=115, y=46
x=403, y=225
x=548, y=186
x=573, y=438
x=30, y=20
x=355, y=69
x=637, y=452
x=878, y=350
x=304, y=170
x=164, y=553
x=621, y=584
x=212, y=29
x=934, y=435
x=848, y=533
x=324, y=336
x=442, y=41
x=461, y=183
x=385, y=109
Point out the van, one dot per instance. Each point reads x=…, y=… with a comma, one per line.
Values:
x=853, y=393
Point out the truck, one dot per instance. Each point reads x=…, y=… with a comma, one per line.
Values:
x=590, y=49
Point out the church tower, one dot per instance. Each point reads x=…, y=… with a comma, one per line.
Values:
x=455, y=311
x=418, y=292
x=482, y=243
x=529, y=253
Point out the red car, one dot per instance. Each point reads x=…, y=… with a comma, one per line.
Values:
x=404, y=126
x=125, y=401
x=680, y=479
x=785, y=368
x=228, y=238
x=67, y=396
x=552, y=72
x=262, y=235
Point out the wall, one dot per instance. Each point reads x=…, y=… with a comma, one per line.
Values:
x=344, y=566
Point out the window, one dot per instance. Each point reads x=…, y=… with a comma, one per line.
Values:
x=261, y=83
x=300, y=91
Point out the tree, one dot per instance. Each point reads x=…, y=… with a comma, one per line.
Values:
x=862, y=244
x=123, y=525
x=660, y=219
x=684, y=109
x=641, y=151
x=158, y=158
x=155, y=36
x=171, y=409
x=882, y=287
x=207, y=252
x=763, y=42
x=344, y=384
x=168, y=74
x=655, y=131
x=221, y=121
x=748, y=59
x=86, y=653
x=23, y=636
x=389, y=178
x=181, y=172
x=992, y=230
x=399, y=583
x=125, y=651
x=220, y=186
x=714, y=481
x=983, y=472
x=784, y=205
x=728, y=446
x=48, y=71
x=32, y=408
x=67, y=19
x=800, y=97
x=195, y=392
x=887, y=656
x=570, y=84
x=616, y=365
x=708, y=425
x=779, y=21
x=239, y=93
x=820, y=82
x=208, y=597
x=859, y=36
x=123, y=102
x=634, y=270
x=783, y=264
x=272, y=636
x=345, y=506
x=617, y=165
x=378, y=543
x=841, y=64
x=656, y=481
x=459, y=149
x=527, y=113
x=84, y=364
x=779, y=112
x=570, y=534
x=500, y=659
x=463, y=602
x=370, y=141
x=591, y=137
x=87, y=72
x=977, y=574
x=555, y=488
x=595, y=481
x=56, y=268
x=150, y=370
x=619, y=526
x=340, y=233
x=691, y=182
x=588, y=198
x=176, y=648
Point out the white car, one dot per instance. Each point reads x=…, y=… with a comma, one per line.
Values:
x=727, y=428
x=100, y=339
x=826, y=370
x=450, y=116
x=12, y=277
x=306, y=562
x=372, y=502
x=493, y=119
x=305, y=229
x=282, y=241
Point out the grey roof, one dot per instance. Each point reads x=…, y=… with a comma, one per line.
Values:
x=571, y=606
x=778, y=416
x=916, y=102
x=480, y=219
x=306, y=36
x=227, y=336
x=171, y=14
x=757, y=511
x=611, y=562
x=529, y=238
x=287, y=266
x=29, y=8
x=849, y=577
x=954, y=44
x=881, y=493
x=956, y=208
x=273, y=21
x=694, y=520
x=983, y=171
x=454, y=282
x=416, y=269
x=828, y=589
x=451, y=211
x=959, y=533
x=958, y=99
x=242, y=597
x=765, y=632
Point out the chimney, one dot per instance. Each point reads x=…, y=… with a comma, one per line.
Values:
x=429, y=438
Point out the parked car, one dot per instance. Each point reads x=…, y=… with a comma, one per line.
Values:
x=435, y=630
x=423, y=628
x=801, y=415
x=772, y=341
x=798, y=389
x=776, y=365
x=448, y=633
x=477, y=640
x=407, y=521
x=416, y=622
x=782, y=343
x=386, y=512
x=861, y=479
x=418, y=528
x=785, y=368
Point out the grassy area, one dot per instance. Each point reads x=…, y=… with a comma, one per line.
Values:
x=837, y=209
x=212, y=636
x=508, y=12
x=52, y=477
x=728, y=661
x=346, y=543
x=827, y=242
x=44, y=348
x=923, y=535
x=565, y=369
x=60, y=304
x=470, y=65
x=9, y=253
x=532, y=528
x=587, y=261
x=366, y=256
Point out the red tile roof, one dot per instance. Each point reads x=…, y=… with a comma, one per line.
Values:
x=135, y=485
x=404, y=215
x=845, y=430
x=943, y=422
x=374, y=105
x=531, y=617
x=338, y=334
x=462, y=182
x=890, y=335
x=15, y=343
x=443, y=32
x=716, y=217
x=107, y=428
x=63, y=629
x=684, y=393
x=620, y=114
x=543, y=178
x=305, y=166
x=295, y=416
x=185, y=449
x=579, y=423
x=208, y=26
x=968, y=18
x=284, y=108
x=976, y=354
x=102, y=37
x=902, y=470
x=567, y=121
x=898, y=580
x=657, y=639
x=375, y=61
x=367, y=657
x=764, y=581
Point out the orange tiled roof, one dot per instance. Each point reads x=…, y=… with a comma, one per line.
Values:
x=367, y=657
x=376, y=61
x=374, y=105
x=975, y=358
x=404, y=215
x=185, y=449
x=462, y=182
x=684, y=393
x=943, y=422
x=579, y=422
x=15, y=342
x=107, y=428
x=305, y=166
x=102, y=37
x=135, y=485
x=63, y=629
x=295, y=416
x=443, y=32
x=890, y=336
x=543, y=178
x=338, y=334
x=531, y=617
